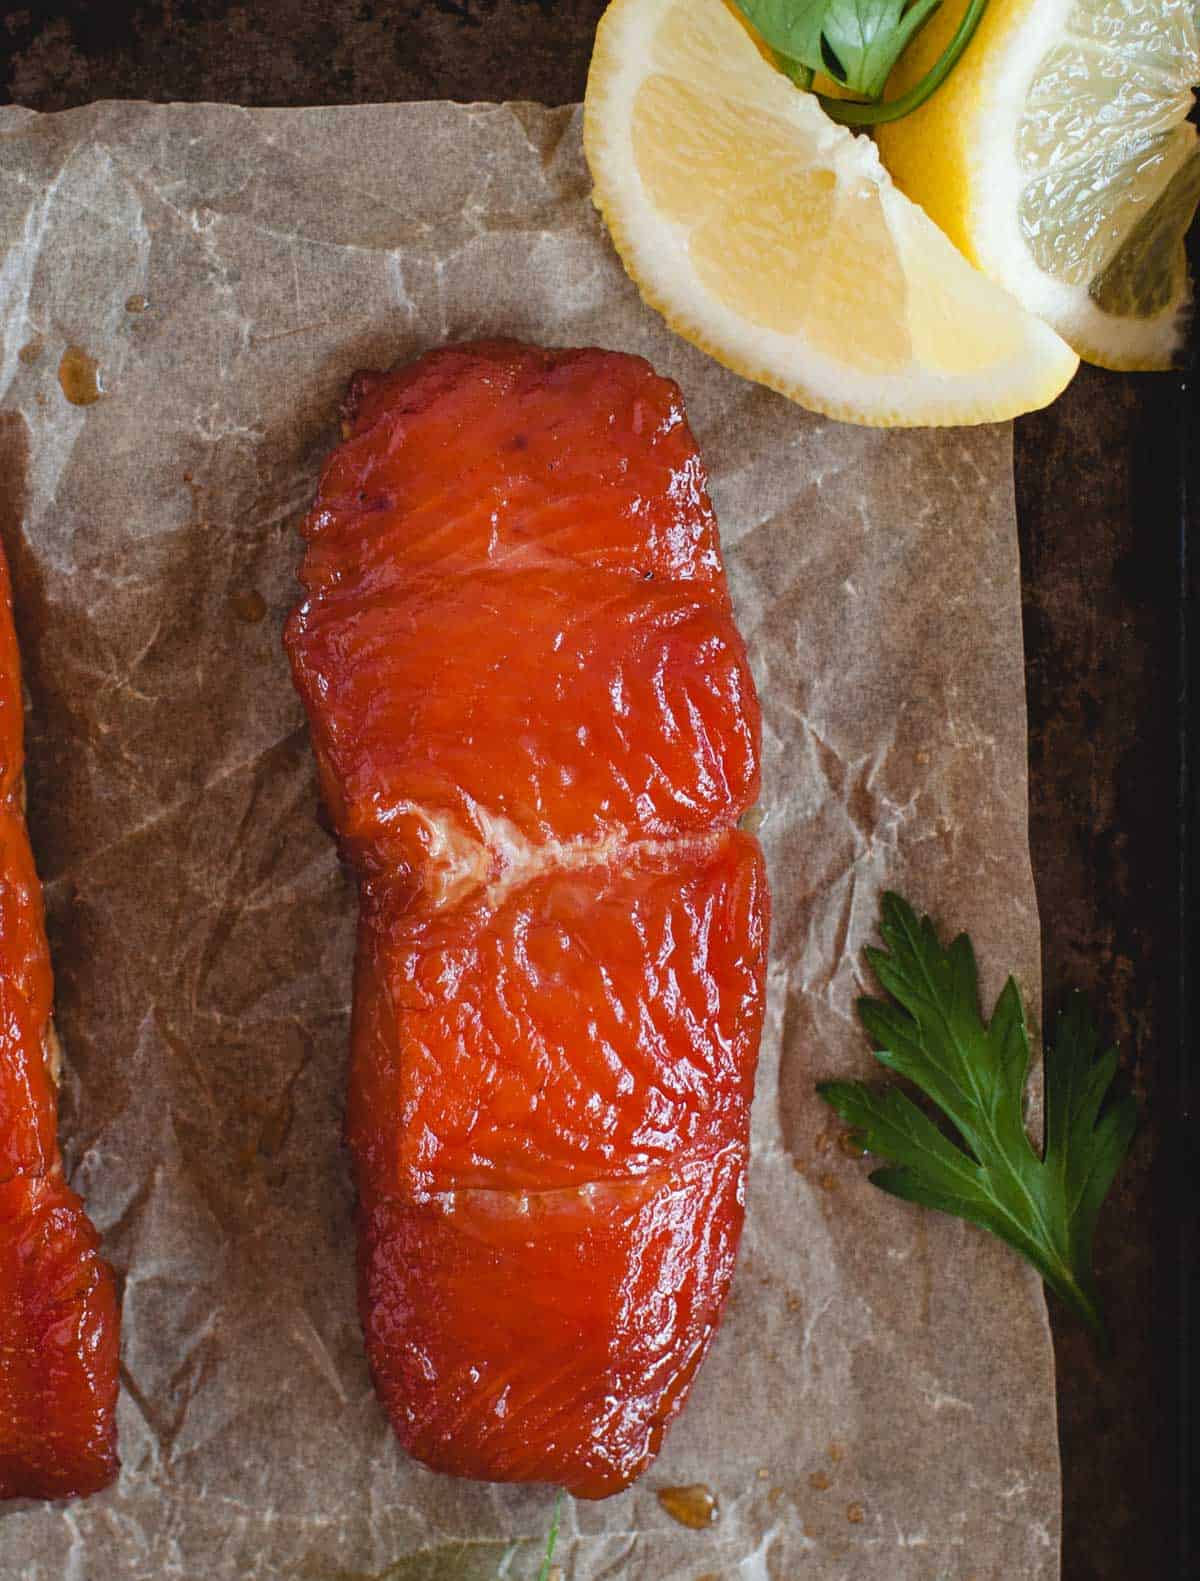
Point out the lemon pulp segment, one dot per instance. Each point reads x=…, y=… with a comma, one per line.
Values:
x=1057, y=156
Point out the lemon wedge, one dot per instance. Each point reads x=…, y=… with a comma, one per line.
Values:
x=776, y=241
x=1058, y=157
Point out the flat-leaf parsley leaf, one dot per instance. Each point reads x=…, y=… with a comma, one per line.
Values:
x=975, y=1073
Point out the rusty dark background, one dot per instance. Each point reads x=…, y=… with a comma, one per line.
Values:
x=1102, y=481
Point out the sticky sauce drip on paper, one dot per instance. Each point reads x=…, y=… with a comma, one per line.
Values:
x=249, y=606
x=694, y=1506
x=79, y=376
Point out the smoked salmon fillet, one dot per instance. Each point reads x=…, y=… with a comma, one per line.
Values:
x=536, y=731
x=58, y=1305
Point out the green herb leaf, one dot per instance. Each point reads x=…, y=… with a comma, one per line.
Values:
x=551, y=1538
x=974, y=1072
x=857, y=43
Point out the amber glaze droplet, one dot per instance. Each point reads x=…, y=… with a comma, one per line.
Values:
x=850, y=1143
x=136, y=304
x=79, y=376
x=250, y=606
x=31, y=351
x=694, y=1505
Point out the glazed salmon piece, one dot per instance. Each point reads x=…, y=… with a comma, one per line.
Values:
x=436, y=539
x=548, y=1105
x=536, y=731
x=553, y=1337
x=58, y=1307
x=493, y=1038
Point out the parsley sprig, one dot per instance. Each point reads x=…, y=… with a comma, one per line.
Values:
x=975, y=1073
x=857, y=43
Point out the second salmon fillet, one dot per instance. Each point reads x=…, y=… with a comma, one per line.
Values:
x=59, y=1316
x=536, y=732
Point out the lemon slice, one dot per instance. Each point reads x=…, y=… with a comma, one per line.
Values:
x=1058, y=157
x=775, y=239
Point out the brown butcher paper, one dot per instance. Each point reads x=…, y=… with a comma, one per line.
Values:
x=879, y=1403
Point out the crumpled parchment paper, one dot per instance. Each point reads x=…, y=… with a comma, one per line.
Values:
x=879, y=1404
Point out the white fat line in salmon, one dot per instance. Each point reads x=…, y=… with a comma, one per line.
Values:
x=497, y=858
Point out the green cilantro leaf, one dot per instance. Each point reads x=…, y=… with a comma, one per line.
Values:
x=857, y=43
x=931, y=1032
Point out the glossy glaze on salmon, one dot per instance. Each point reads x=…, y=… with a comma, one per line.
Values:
x=536, y=732
x=58, y=1308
